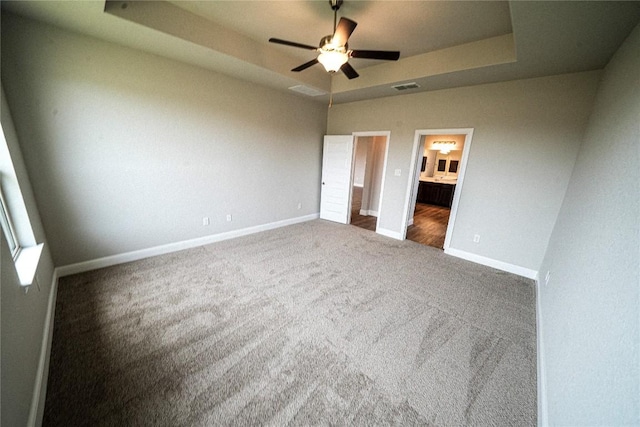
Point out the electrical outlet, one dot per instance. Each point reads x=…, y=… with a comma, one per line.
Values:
x=398, y=172
x=205, y=220
x=299, y=205
x=476, y=238
x=229, y=218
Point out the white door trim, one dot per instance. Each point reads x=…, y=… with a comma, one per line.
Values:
x=386, y=134
x=414, y=172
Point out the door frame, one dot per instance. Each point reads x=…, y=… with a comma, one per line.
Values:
x=387, y=135
x=414, y=173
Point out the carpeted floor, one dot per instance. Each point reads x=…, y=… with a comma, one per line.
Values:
x=316, y=323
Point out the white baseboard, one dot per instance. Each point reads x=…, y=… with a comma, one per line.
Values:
x=177, y=246
x=40, y=387
x=410, y=222
x=358, y=185
x=389, y=233
x=543, y=415
x=489, y=262
x=368, y=213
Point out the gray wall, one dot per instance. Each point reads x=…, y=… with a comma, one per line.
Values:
x=526, y=139
x=128, y=151
x=360, y=160
x=591, y=304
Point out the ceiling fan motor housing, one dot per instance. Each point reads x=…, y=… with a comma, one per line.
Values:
x=326, y=44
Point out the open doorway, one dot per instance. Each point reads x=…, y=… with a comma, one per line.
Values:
x=438, y=166
x=369, y=161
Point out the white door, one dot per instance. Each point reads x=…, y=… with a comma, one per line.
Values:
x=335, y=195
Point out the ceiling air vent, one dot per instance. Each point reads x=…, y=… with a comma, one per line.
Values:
x=310, y=91
x=405, y=86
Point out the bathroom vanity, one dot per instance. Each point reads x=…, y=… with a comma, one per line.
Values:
x=436, y=191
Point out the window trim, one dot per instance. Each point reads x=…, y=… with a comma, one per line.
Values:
x=8, y=228
x=19, y=229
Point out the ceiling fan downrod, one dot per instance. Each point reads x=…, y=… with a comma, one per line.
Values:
x=335, y=6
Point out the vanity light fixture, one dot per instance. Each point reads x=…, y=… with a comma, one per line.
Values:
x=444, y=146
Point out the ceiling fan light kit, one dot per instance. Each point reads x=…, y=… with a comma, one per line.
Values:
x=332, y=60
x=333, y=51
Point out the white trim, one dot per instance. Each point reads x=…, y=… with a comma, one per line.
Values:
x=543, y=414
x=386, y=133
x=177, y=246
x=408, y=224
x=389, y=233
x=458, y=190
x=365, y=212
x=358, y=185
x=384, y=175
x=40, y=386
x=500, y=265
x=413, y=176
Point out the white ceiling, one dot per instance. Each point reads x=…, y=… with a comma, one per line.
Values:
x=443, y=44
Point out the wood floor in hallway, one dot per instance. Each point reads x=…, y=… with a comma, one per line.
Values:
x=429, y=221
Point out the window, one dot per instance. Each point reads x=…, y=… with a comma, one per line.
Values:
x=14, y=218
x=8, y=229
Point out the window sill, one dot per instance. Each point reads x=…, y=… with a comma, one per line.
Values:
x=27, y=263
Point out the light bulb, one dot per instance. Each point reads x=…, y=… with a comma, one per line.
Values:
x=332, y=60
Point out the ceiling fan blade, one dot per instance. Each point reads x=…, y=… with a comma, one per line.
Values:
x=306, y=65
x=375, y=54
x=293, y=44
x=343, y=31
x=349, y=71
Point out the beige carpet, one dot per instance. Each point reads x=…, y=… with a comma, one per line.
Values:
x=316, y=323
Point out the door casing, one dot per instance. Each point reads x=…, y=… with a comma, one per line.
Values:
x=414, y=172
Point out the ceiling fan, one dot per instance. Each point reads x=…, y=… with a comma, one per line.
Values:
x=334, y=52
